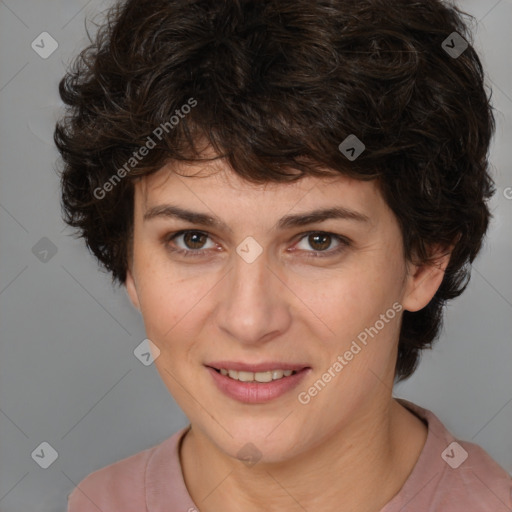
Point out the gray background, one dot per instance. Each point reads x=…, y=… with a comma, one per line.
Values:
x=68, y=375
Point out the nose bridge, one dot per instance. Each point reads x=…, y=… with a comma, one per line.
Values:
x=250, y=271
x=251, y=305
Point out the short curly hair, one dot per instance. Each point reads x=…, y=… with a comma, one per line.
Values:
x=277, y=86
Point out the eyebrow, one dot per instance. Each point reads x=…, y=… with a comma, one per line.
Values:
x=286, y=222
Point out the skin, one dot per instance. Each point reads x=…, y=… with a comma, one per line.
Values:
x=284, y=306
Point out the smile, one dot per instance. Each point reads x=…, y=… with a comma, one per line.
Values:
x=256, y=376
x=256, y=387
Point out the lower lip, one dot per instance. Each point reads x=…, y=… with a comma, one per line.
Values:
x=256, y=392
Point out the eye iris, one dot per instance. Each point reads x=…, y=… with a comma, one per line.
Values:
x=187, y=236
x=324, y=236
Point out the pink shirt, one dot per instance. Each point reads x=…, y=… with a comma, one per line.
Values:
x=449, y=476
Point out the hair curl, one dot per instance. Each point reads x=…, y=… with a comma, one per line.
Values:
x=279, y=84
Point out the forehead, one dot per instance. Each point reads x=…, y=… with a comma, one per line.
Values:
x=214, y=177
x=214, y=189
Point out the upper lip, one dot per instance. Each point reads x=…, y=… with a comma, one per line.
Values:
x=260, y=367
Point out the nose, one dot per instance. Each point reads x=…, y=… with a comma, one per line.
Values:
x=254, y=302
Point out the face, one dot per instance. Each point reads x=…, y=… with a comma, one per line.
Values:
x=257, y=291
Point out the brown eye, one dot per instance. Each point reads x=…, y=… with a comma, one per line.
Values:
x=194, y=239
x=193, y=242
x=320, y=241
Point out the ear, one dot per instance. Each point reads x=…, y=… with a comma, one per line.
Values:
x=424, y=280
x=131, y=290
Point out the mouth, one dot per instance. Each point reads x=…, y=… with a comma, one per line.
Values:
x=256, y=383
x=261, y=372
x=267, y=376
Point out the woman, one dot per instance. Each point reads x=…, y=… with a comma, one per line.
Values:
x=290, y=191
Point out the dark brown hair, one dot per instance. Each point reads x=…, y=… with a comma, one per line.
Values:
x=278, y=85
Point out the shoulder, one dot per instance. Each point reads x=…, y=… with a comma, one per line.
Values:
x=118, y=486
x=454, y=475
x=479, y=482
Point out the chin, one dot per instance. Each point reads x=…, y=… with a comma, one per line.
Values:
x=259, y=443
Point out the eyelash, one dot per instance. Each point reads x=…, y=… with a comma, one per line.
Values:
x=345, y=242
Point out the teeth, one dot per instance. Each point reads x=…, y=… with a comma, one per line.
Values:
x=256, y=376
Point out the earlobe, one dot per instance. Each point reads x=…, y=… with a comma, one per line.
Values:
x=423, y=281
x=131, y=290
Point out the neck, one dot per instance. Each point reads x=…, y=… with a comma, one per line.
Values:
x=376, y=451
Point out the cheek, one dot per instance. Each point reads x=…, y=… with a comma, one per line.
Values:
x=331, y=305
x=358, y=320
x=171, y=304
x=349, y=299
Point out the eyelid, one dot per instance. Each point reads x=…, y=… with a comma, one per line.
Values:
x=344, y=241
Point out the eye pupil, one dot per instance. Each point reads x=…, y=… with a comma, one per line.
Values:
x=191, y=234
x=322, y=235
